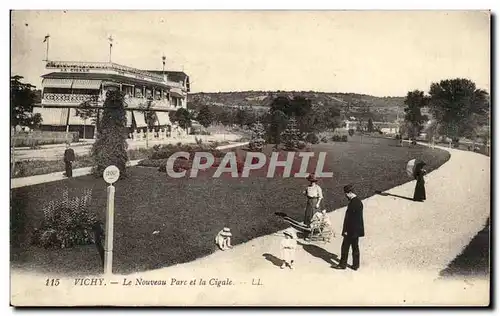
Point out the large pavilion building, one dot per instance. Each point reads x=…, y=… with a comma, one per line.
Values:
x=67, y=85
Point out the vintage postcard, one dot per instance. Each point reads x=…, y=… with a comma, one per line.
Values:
x=250, y=158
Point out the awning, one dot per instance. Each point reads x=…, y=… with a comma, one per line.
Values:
x=129, y=118
x=139, y=119
x=163, y=118
x=77, y=120
x=87, y=84
x=57, y=83
x=52, y=116
x=176, y=92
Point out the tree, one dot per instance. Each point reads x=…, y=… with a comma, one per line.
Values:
x=281, y=103
x=291, y=135
x=23, y=96
x=85, y=111
x=414, y=102
x=277, y=124
x=258, y=133
x=183, y=118
x=110, y=147
x=205, y=116
x=458, y=106
x=150, y=117
x=370, y=125
x=242, y=117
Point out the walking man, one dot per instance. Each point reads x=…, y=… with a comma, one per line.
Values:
x=69, y=157
x=353, y=229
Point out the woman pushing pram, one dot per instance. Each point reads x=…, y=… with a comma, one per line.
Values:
x=320, y=228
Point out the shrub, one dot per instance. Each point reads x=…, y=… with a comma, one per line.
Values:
x=339, y=138
x=258, y=134
x=198, y=141
x=301, y=144
x=324, y=139
x=67, y=222
x=312, y=138
x=110, y=148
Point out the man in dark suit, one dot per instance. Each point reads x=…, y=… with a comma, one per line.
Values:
x=69, y=157
x=353, y=229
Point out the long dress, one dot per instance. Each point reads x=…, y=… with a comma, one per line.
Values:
x=288, y=247
x=419, y=194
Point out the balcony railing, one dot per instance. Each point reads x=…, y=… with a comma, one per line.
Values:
x=131, y=102
x=102, y=65
x=56, y=98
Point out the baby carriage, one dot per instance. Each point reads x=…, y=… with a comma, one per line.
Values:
x=321, y=227
x=319, y=230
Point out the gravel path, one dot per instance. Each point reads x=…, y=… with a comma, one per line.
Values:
x=407, y=244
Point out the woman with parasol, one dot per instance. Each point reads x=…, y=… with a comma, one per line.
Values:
x=419, y=172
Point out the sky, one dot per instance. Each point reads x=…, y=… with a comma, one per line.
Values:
x=380, y=53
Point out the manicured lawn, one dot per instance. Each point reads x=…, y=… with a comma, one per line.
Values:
x=188, y=212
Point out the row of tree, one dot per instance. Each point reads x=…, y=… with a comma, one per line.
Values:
x=457, y=107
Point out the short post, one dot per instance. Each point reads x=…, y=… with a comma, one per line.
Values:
x=111, y=175
x=108, y=246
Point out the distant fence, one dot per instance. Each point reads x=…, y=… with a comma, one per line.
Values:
x=34, y=138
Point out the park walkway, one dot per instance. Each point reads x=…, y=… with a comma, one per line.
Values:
x=56, y=176
x=407, y=244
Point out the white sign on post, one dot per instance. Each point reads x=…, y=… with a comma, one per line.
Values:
x=110, y=175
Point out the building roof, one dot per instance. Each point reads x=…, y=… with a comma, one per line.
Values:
x=172, y=75
x=87, y=69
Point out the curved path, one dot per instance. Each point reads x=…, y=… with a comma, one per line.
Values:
x=407, y=244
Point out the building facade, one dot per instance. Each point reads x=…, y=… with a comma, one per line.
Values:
x=66, y=86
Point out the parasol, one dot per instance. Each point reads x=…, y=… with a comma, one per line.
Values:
x=410, y=167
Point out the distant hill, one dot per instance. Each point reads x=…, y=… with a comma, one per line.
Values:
x=379, y=108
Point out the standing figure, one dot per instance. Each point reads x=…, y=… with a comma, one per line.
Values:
x=314, y=195
x=288, y=247
x=223, y=239
x=419, y=194
x=352, y=230
x=69, y=157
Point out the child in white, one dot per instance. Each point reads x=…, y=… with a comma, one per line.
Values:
x=223, y=239
x=288, y=246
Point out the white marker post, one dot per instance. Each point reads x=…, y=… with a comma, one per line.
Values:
x=110, y=175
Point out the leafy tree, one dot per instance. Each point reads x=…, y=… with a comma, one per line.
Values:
x=183, y=118
x=150, y=117
x=258, y=133
x=414, y=102
x=85, y=111
x=110, y=147
x=291, y=136
x=370, y=125
x=22, y=98
x=205, y=116
x=281, y=103
x=226, y=117
x=242, y=117
x=277, y=124
x=458, y=106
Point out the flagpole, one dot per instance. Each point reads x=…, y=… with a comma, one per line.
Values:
x=46, y=39
x=47, y=52
x=110, y=38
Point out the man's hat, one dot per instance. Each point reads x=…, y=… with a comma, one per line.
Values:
x=348, y=188
x=312, y=178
